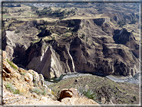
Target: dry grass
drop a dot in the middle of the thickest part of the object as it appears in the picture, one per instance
(99, 85)
(22, 89)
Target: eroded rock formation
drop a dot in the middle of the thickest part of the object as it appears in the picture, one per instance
(26, 87)
(94, 46)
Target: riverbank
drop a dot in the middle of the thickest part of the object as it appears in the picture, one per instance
(134, 79)
(101, 86)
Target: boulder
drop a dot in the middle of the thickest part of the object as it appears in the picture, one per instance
(28, 77)
(72, 92)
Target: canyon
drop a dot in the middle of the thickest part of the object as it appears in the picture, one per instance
(88, 49)
(70, 53)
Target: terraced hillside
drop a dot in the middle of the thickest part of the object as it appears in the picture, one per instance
(55, 39)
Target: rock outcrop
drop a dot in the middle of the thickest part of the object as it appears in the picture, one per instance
(94, 46)
(46, 64)
(26, 87)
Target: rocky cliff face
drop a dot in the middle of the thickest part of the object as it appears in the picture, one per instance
(93, 46)
(27, 87)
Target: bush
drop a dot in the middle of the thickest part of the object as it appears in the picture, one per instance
(122, 23)
(44, 92)
(90, 94)
(133, 21)
(83, 35)
(87, 92)
(12, 65)
(86, 39)
(18, 31)
(134, 97)
(16, 92)
(33, 8)
(11, 88)
(22, 73)
(37, 91)
(53, 38)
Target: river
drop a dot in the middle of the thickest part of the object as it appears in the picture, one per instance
(133, 79)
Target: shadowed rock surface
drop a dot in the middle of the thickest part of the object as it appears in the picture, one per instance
(95, 48)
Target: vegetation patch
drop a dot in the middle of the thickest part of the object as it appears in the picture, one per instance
(11, 88)
(17, 31)
(54, 13)
(83, 36)
(12, 65)
(22, 73)
(122, 23)
(39, 91)
(100, 87)
(85, 91)
(37, 40)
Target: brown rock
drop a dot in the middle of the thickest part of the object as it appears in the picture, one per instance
(34, 95)
(22, 70)
(79, 101)
(28, 77)
(65, 93)
(71, 97)
(74, 92)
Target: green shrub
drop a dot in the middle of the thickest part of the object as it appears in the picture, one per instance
(11, 88)
(22, 73)
(37, 90)
(44, 92)
(122, 23)
(12, 65)
(134, 97)
(86, 39)
(17, 31)
(85, 91)
(16, 91)
(133, 21)
(53, 38)
(90, 94)
(83, 35)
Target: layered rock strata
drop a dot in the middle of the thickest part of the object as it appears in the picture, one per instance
(94, 46)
